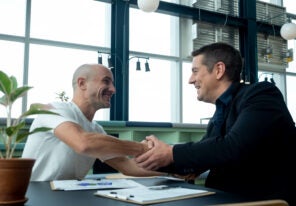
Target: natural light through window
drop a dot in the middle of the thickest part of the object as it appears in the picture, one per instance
(62, 37)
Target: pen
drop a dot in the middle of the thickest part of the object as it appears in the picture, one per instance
(94, 184)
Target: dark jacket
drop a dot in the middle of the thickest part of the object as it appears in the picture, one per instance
(255, 154)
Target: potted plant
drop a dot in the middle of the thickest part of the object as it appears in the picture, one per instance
(15, 172)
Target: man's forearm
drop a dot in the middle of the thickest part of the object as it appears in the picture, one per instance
(107, 147)
(97, 145)
(128, 167)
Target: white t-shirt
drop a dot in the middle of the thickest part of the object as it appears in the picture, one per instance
(54, 159)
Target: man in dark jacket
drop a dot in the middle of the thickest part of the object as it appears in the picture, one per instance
(249, 147)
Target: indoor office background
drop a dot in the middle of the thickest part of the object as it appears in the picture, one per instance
(43, 42)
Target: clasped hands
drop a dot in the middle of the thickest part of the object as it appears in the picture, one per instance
(159, 154)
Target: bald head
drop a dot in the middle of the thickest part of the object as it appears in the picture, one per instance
(93, 88)
(86, 71)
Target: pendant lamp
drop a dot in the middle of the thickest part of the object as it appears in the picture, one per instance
(148, 5)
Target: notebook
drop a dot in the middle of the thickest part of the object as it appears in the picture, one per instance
(153, 194)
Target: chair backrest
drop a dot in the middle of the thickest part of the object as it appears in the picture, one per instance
(276, 202)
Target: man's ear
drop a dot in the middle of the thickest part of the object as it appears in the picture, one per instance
(81, 83)
(220, 70)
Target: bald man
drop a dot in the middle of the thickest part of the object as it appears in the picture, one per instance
(69, 150)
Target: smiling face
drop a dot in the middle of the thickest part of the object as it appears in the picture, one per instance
(100, 88)
(93, 88)
(204, 81)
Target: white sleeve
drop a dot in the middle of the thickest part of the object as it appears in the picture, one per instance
(52, 121)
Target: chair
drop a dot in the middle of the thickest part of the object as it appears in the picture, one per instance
(276, 202)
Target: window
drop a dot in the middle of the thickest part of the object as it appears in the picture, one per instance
(77, 21)
(12, 12)
(194, 111)
(291, 66)
(148, 36)
(11, 54)
(65, 34)
(150, 92)
(150, 96)
(273, 77)
(57, 44)
(291, 98)
(291, 76)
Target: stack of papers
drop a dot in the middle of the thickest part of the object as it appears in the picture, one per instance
(89, 184)
(129, 190)
(154, 194)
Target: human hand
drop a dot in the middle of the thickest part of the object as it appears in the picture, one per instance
(149, 144)
(159, 155)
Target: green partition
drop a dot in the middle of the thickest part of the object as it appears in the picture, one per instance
(137, 131)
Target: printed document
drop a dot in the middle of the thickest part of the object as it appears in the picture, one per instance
(89, 184)
(154, 194)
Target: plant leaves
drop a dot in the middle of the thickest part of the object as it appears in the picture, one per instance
(4, 100)
(10, 131)
(23, 135)
(5, 83)
(8, 85)
(13, 134)
(19, 92)
(37, 111)
(13, 83)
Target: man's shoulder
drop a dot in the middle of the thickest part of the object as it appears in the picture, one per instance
(58, 105)
(258, 90)
(258, 87)
(64, 108)
(263, 84)
(61, 108)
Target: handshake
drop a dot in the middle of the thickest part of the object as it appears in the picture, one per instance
(158, 154)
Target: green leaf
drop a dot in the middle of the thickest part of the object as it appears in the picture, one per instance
(5, 83)
(10, 131)
(37, 111)
(4, 101)
(19, 92)
(16, 133)
(23, 135)
(13, 83)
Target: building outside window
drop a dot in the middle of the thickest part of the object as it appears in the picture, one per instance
(43, 50)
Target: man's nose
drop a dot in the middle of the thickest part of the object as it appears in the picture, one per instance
(191, 80)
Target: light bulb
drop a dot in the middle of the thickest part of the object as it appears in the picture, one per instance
(148, 5)
(288, 31)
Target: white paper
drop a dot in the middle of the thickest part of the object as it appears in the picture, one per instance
(88, 184)
(150, 194)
